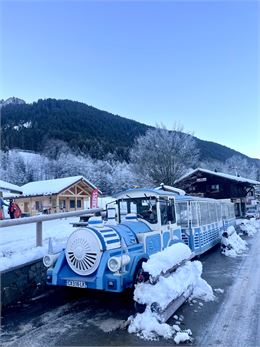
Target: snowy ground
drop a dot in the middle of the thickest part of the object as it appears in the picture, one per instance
(75, 318)
(17, 243)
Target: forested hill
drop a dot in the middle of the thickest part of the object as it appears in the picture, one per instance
(82, 127)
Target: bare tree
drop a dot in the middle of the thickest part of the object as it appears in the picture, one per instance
(163, 156)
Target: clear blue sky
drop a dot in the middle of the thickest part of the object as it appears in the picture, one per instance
(196, 63)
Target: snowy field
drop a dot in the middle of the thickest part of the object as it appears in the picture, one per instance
(17, 243)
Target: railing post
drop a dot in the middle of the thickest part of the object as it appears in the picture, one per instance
(38, 234)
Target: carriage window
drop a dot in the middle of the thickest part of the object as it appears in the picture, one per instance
(194, 213)
(204, 213)
(213, 216)
(182, 214)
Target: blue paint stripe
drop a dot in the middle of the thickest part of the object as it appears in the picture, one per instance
(111, 235)
(112, 241)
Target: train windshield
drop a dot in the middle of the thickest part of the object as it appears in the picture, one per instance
(143, 207)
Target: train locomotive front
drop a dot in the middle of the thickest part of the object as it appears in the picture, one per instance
(109, 255)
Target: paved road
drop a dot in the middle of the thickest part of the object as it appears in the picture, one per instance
(76, 318)
(237, 320)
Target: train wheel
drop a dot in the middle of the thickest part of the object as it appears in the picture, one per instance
(140, 276)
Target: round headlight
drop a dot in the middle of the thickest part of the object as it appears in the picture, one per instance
(114, 264)
(47, 261)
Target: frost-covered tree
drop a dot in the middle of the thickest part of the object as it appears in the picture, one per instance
(163, 156)
(235, 165)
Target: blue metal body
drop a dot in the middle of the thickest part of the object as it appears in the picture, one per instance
(139, 239)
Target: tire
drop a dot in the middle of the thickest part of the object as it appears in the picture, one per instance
(140, 276)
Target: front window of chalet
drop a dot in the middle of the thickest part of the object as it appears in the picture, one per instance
(38, 205)
(78, 203)
(62, 204)
(72, 203)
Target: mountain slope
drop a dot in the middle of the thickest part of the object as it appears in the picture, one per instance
(31, 126)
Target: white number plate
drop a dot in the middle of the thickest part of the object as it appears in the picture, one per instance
(78, 284)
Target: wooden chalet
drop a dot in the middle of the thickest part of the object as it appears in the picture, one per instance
(56, 195)
(217, 185)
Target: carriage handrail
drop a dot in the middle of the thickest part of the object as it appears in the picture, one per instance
(43, 218)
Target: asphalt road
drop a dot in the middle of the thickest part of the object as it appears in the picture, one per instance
(74, 317)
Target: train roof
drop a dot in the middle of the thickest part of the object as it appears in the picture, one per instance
(143, 193)
(184, 198)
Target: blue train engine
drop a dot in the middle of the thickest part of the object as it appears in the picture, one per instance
(108, 255)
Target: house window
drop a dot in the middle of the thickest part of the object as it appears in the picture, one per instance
(26, 207)
(72, 203)
(38, 205)
(215, 187)
(78, 203)
(62, 204)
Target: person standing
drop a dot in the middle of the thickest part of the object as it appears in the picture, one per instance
(2, 204)
(11, 209)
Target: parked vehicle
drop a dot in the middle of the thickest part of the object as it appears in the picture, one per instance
(108, 254)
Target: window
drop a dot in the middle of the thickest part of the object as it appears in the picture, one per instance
(62, 204)
(215, 187)
(78, 203)
(38, 205)
(194, 213)
(72, 203)
(144, 208)
(182, 214)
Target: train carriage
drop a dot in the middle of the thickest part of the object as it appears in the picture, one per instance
(108, 254)
(203, 221)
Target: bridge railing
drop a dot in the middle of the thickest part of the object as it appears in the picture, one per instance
(44, 218)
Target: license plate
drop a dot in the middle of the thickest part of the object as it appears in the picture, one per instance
(77, 284)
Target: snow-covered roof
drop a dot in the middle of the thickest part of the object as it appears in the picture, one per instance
(6, 186)
(54, 186)
(220, 174)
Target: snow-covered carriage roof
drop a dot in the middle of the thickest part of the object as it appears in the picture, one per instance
(54, 186)
(143, 193)
(220, 174)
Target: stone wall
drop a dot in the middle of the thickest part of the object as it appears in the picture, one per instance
(22, 282)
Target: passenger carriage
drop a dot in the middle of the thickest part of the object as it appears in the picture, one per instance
(108, 254)
(203, 221)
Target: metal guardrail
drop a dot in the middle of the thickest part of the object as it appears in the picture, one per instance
(43, 218)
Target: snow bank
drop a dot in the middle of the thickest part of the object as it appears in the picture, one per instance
(18, 243)
(231, 243)
(147, 325)
(248, 226)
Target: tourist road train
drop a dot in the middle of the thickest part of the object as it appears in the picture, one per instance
(107, 253)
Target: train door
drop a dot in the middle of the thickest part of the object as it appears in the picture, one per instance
(167, 216)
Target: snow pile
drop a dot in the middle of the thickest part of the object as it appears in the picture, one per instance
(160, 263)
(248, 226)
(231, 243)
(185, 278)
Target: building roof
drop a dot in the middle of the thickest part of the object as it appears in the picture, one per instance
(9, 187)
(220, 174)
(54, 186)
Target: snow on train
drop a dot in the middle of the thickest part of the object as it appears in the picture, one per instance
(108, 255)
